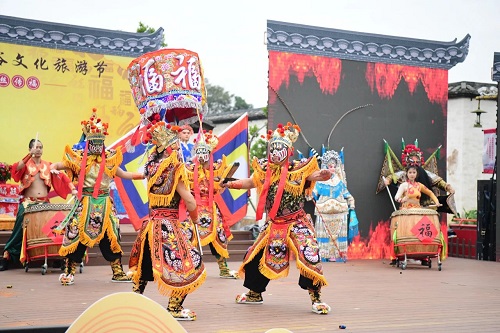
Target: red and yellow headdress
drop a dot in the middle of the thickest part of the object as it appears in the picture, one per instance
(162, 135)
(94, 128)
(412, 156)
(286, 134)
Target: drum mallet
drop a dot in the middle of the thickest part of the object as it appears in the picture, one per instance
(389, 193)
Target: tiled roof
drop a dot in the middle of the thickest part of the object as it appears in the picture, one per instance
(470, 89)
(76, 38)
(230, 116)
(351, 45)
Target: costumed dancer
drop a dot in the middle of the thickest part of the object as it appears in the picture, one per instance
(162, 251)
(203, 175)
(36, 180)
(93, 219)
(167, 86)
(282, 187)
(335, 206)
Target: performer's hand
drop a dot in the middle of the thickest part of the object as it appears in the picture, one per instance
(74, 192)
(54, 171)
(325, 174)
(450, 189)
(387, 181)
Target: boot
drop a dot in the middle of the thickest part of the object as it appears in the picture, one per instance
(177, 311)
(250, 297)
(118, 273)
(68, 277)
(139, 287)
(4, 261)
(224, 272)
(318, 306)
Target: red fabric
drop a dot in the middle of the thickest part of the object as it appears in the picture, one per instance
(17, 175)
(100, 174)
(263, 195)
(81, 176)
(60, 183)
(279, 192)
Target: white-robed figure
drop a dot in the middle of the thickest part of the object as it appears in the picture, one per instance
(335, 207)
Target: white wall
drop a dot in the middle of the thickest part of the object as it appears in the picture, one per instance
(465, 148)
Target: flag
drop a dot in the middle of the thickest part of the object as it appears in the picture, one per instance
(133, 193)
(489, 150)
(233, 143)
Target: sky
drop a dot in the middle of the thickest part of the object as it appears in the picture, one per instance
(228, 35)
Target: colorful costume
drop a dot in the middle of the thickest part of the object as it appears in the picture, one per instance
(203, 176)
(427, 174)
(93, 219)
(25, 176)
(334, 207)
(412, 192)
(288, 231)
(167, 86)
(162, 250)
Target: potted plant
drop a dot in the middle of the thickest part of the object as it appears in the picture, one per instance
(4, 172)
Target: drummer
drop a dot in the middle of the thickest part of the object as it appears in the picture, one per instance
(409, 192)
(35, 181)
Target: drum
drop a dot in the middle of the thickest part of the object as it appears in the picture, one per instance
(418, 232)
(38, 220)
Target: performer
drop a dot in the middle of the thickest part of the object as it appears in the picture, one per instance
(282, 186)
(202, 177)
(36, 180)
(93, 219)
(162, 251)
(393, 173)
(186, 146)
(410, 192)
(334, 204)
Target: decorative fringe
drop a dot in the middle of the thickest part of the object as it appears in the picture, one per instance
(163, 200)
(72, 160)
(318, 279)
(167, 290)
(297, 177)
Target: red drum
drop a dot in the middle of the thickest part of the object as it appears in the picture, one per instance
(38, 220)
(418, 233)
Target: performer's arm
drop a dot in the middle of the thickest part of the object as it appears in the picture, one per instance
(57, 166)
(319, 175)
(245, 183)
(129, 175)
(187, 197)
(431, 194)
(400, 195)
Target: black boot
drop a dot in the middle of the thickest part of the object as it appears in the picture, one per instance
(4, 264)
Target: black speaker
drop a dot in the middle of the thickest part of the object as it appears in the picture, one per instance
(486, 220)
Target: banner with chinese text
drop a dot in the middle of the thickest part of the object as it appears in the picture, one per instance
(48, 92)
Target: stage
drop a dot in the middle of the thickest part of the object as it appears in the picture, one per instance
(365, 296)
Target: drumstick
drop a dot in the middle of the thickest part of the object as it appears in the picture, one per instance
(389, 192)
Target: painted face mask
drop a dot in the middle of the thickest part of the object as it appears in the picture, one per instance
(96, 146)
(202, 153)
(278, 152)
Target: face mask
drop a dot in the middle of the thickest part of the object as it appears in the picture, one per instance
(278, 152)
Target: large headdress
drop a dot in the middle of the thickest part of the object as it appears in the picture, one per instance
(170, 83)
(95, 131)
(287, 134)
(94, 128)
(162, 135)
(412, 156)
(330, 157)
